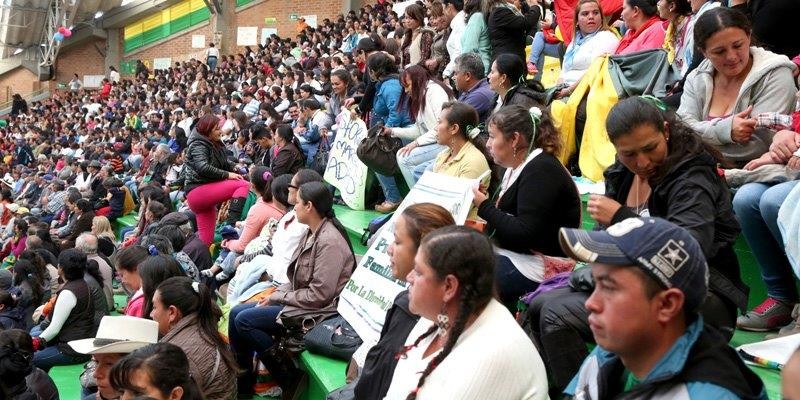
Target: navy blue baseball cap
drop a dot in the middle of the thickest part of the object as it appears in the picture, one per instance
(666, 252)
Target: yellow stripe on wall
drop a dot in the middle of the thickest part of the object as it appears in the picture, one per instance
(165, 16)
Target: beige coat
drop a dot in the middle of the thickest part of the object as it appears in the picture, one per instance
(320, 267)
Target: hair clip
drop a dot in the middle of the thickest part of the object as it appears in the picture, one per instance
(655, 102)
(196, 287)
(474, 131)
(266, 176)
(152, 250)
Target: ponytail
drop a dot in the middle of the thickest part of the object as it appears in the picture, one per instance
(93, 268)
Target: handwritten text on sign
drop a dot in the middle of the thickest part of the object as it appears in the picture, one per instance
(345, 171)
(371, 290)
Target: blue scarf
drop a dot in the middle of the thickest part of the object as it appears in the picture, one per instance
(576, 44)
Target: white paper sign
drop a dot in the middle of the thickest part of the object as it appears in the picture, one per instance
(266, 33)
(345, 171)
(93, 81)
(311, 20)
(198, 41)
(371, 290)
(247, 36)
(162, 63)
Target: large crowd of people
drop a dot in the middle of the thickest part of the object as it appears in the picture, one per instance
(234, 250)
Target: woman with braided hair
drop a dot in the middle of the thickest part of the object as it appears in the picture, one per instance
(475, 342)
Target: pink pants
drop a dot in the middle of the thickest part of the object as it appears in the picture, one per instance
(203, 201)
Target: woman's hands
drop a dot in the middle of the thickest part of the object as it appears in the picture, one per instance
(602, 208)
(235, 176)
(743, 126)
(783, 146)
(406, 150)
(478, 195)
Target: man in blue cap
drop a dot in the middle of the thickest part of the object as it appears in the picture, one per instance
(650, 280)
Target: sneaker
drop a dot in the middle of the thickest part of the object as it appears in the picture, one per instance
(790, 329)
(386, 207)
(769, 315)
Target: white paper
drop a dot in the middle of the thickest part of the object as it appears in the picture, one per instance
(198, 41)
(162, 63)
(247, 36)
(778, 350)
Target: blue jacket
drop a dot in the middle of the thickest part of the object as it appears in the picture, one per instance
(699, 365)
(384, 107)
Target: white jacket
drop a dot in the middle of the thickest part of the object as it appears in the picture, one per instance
(424, 129)
(604, 42)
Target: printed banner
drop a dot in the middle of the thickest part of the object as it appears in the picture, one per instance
(371, 290)
(345, 171)
(162, 63)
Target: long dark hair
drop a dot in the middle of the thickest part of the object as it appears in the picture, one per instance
(153, 271)
(466, 254)
(466, 118)
(417, 12)
(73, 264)
(318, 194)
(261, 178)
(25, 271)
(16, 355)
(164, 363)
(513, 68)
(684, 142)
(717, 19)
(190, 297)
(648, 7)
(130, 257)
(419, 77)
(514, 118)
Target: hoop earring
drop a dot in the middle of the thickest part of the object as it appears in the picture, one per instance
(442, 322)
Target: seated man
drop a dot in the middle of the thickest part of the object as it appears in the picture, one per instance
(651, 279)
(116, 337)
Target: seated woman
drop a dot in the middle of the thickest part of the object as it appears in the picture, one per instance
(187, 317)
(593, 38)
(475, 38)
(537, 197)
(83, 223)
(158, 371)
(152, 271)
(464, 156)
(73, 316)
(413, 224)
(127, 265)
(677, 43)
(289, 158)
(389, 111)
(663, 170)
(16, 244)
(207, 167)
(424, 98)
(506, 78)
(21, 380)
(734, 84)
(645, 31)
(28, 283)
(475, 342)
(317, 273)
(266, 208)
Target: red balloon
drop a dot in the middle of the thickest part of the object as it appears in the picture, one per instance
(62, 30)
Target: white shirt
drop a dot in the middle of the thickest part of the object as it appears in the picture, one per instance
(492, 359)
(114, 76)
(212, 52)
(457, 26)
(284, 242)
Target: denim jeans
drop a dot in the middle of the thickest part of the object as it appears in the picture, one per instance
(310, 150)
(540, 47)
(389, 186)
(251, 329)
(49, 357)
(419, 156)
(227, 260)
(510, 283)
(756, 206)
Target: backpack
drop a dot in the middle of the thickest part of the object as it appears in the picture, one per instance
(374, 225)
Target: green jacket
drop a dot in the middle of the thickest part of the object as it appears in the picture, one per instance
(475, 39)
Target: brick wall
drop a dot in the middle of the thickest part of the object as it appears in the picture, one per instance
(83, 59)
(19, 80)
(180, 47)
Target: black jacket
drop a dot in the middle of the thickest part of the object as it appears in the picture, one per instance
(289, 160)
(508, 31)
(375, 378)
(206, 162)
(691, 195)
(539, 203)
(769, 19)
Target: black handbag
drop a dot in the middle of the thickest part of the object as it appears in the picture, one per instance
(320, 161)
(333, 338)
(379, 152)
